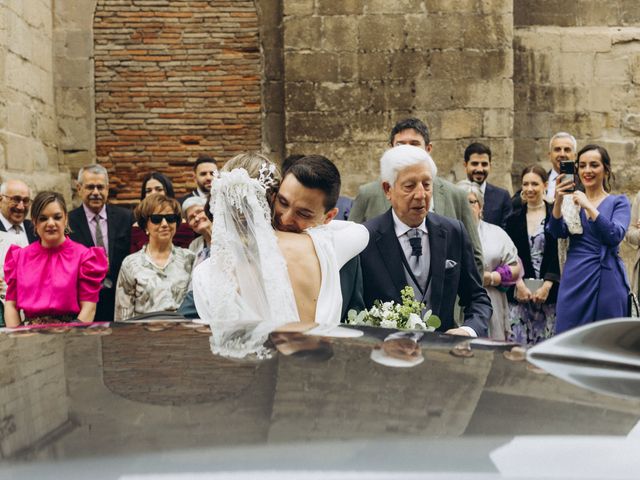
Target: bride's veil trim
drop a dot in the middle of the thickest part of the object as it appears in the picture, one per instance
(243, 291)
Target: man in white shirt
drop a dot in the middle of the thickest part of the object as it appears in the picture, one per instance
(15, 200)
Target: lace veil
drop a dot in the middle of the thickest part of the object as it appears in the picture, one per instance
(243, 290)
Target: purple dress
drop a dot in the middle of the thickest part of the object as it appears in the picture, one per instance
(594, 283)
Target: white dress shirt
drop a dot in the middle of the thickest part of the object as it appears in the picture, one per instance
(10, 228)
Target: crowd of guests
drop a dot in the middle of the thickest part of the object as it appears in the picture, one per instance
(518, 268)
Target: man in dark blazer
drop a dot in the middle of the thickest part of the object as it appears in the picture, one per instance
(15, 199)
(409, 245)
(497, 201)
(95, 223)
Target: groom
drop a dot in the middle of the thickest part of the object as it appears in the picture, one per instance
(307, 198)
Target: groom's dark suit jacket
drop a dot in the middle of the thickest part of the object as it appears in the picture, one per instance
(119, 221)
(384, 276)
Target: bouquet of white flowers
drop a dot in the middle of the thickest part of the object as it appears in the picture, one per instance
(392, 315)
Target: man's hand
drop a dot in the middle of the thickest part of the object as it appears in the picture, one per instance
(458, 331)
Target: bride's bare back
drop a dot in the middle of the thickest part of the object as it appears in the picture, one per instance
(304, 272)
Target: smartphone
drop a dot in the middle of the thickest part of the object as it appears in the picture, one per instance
(569, 170)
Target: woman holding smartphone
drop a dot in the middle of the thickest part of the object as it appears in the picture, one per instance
(532, 309)
(594, 283)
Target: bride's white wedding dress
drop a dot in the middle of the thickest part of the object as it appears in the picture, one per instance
(243, 290)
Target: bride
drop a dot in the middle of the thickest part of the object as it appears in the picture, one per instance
(258, 279)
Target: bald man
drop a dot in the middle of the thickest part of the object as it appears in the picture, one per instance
(15, 200)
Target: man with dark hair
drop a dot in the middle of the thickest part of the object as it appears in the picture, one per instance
(497, 201)
(307, 198)
(343, 204)
(205, 169)
(447, 200)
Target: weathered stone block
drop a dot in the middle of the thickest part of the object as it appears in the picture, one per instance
(437, 94)
(302, 33)
(425, 32)
(397, 6)
(73, 72)
(381, 32)
(600, 98)
(317, 127)
(372, 66)
(586, 42)
(373, 96)
(574, 68)
(272, 96)
(488, 31)
(497, 123)
(635, 69)
(472, 64)
(400, 95)
(632, 122)
(317, 67)
(497, 6)
(612, 69)
(534, 124)
(449, 6)
(461, 124)
(339, 33)
(39, 16)
(343, 7)
(348, 66)
(408, 65)
(338, 97)
(495, 94)
(75, 43)
(297, 7)
(629, 12)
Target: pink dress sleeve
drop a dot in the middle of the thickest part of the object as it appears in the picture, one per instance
(11, 273)
(93, 268)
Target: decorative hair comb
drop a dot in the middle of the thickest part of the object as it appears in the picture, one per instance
(266, 175)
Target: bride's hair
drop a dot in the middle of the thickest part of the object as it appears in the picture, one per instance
(258, 166)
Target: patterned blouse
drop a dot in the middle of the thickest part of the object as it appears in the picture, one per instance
(145, 287)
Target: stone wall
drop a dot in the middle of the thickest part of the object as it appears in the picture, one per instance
(28, 119)
(577, 69)
(352, 69)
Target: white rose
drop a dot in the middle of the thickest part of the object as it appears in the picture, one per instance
(388, 323)
(415, 322)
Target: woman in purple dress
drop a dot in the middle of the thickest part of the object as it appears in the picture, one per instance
(594, 284)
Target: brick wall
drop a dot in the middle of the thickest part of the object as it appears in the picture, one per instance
(352, 69)
(174, 78)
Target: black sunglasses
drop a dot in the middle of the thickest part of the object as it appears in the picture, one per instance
(156, 218)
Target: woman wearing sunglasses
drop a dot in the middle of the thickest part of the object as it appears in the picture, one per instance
(156, 278)
(157, 183)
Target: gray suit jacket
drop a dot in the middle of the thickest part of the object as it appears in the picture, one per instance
(449, 201)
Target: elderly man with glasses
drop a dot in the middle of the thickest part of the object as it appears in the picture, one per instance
(96, 224)
(15, 199)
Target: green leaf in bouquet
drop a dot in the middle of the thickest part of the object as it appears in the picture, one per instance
(434, 321)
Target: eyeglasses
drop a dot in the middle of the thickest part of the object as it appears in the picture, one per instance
(156, 218)
(16, 199)
(91, 187)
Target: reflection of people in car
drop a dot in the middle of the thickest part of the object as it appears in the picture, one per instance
(301, 345)
(402, 348)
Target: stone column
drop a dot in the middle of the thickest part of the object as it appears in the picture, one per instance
(28, 125)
